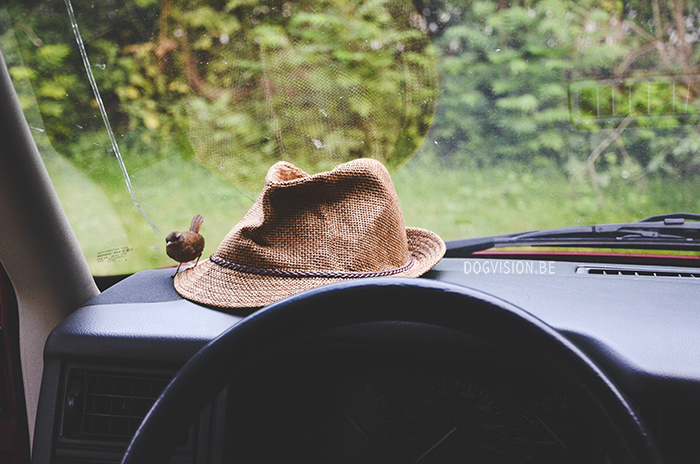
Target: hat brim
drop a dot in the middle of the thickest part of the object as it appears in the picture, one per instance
(214, 285)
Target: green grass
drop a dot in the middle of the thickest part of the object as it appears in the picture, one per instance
(453, 202)
(470, 202)
(171, 192)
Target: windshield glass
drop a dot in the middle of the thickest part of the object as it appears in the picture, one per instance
(493, 116)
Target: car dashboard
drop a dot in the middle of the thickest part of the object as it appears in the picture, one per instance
(391, 391)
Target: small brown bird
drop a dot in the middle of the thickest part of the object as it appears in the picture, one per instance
(186, 246)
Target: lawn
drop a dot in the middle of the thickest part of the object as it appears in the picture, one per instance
(455, 202)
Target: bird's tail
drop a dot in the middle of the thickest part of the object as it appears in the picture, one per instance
(196, 224)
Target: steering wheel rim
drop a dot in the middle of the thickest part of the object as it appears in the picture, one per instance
(382, 299)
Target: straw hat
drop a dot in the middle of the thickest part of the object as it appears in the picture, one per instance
(305, 231)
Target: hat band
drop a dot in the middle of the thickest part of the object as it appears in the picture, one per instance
(290, 273)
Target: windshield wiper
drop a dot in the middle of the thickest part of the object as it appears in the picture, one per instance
(676, 231)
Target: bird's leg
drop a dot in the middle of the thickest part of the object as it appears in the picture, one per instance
(176, 271)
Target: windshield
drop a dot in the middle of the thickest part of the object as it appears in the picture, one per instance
(493, 117)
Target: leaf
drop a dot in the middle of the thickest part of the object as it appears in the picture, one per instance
(22, 72)
(523, 103)
(53, 54)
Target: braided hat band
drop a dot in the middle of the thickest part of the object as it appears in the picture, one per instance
(293, 273)
(305, 231)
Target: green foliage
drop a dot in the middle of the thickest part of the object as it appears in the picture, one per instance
(594, 103)
(510, 72)
(241, 83)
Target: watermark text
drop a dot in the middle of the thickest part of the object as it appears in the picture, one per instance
(504, 266)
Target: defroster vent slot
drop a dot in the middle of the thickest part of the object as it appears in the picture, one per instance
(646, 272)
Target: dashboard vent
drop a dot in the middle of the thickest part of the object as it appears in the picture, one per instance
(108, 406)
(115, 405)
(637, 272)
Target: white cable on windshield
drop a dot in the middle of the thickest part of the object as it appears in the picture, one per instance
(103, 112)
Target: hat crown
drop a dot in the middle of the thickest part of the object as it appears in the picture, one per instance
(305, 231)
(347, 219)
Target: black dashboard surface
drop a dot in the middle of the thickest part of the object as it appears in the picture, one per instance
(643, 328)
(638, 322)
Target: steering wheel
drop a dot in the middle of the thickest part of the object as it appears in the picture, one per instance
(387, 299)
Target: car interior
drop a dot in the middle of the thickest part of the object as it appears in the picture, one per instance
(516, 347)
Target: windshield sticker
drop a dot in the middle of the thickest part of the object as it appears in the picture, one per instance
(114, 254)
(650, 101)
(103, 112)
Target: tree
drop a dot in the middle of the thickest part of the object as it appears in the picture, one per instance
(248, 82)
(540, 80)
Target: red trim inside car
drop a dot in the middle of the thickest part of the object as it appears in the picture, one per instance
(588, 256)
